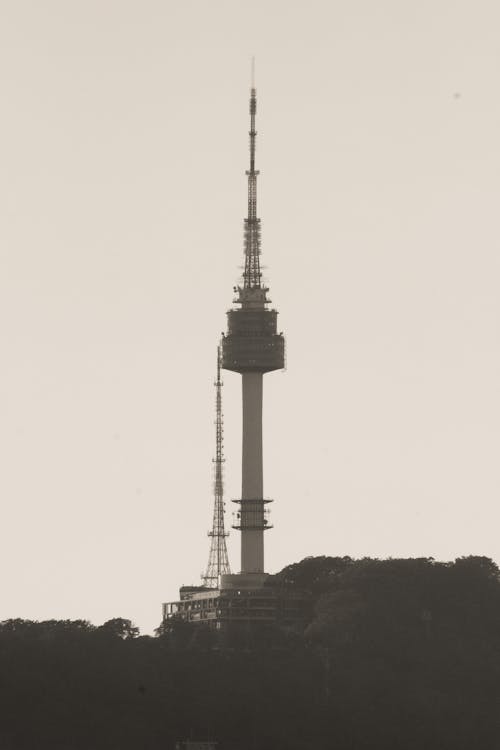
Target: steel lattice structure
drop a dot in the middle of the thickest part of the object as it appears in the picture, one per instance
(218, 562)
(252, 274)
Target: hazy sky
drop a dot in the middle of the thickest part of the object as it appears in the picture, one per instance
(122, 192)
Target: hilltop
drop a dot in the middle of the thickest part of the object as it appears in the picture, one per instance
(397, 654)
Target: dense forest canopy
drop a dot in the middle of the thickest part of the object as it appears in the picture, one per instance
(398, 654)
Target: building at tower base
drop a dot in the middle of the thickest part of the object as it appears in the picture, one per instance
(219, 609)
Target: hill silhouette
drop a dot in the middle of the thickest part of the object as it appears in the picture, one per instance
(398, 654)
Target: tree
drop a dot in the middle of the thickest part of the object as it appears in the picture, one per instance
(120, 628)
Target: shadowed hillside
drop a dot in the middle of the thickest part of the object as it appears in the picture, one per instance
(397, 655)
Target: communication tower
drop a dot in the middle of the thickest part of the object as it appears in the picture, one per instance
(252, 347)
(218, 562)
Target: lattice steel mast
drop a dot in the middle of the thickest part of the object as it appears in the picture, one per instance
(218, 562)
(252, 274)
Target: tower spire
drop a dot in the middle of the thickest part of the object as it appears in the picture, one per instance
(252, 274)
(218, 562)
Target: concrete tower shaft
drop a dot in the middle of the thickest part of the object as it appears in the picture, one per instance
(252, 347)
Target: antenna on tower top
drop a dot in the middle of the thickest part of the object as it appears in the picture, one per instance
(252, 274)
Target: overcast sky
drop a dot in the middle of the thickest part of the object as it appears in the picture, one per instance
(122, 192)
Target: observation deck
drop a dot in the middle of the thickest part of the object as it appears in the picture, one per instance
(252, 343)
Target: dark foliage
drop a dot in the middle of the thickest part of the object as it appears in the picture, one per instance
(398, 655)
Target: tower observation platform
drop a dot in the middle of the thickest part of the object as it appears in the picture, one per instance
(252, 343)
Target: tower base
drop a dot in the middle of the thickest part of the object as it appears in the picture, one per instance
(242, 599)
(245, 581)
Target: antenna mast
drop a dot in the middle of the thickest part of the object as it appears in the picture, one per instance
(218, 562)
(252, 274)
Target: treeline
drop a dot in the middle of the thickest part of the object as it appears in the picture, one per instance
(396, 655)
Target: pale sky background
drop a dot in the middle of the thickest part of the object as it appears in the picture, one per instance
(122, 193)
